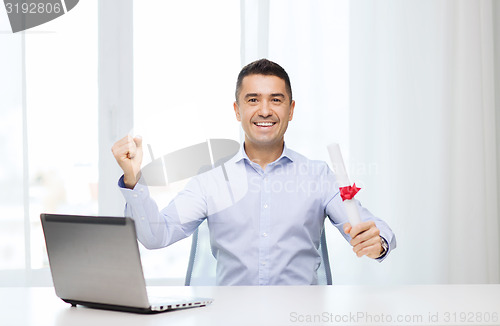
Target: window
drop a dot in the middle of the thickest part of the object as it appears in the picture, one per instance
(185, 67)
(49, 130)
(12, 253)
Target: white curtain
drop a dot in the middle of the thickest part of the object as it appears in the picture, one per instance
(309, 39)
(422, 105)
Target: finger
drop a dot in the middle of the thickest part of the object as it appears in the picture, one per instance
(372, 251)
(124, 140)
(369, 248)
(132, 150)
(361, 227)
(119, 145)
(125, 152)
(126, 149)
(120, 151)
(373, 232)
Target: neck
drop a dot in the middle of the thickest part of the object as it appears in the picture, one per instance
(263, 155)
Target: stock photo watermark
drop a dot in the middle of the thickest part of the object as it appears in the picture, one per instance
(366, 318)
(26, 14)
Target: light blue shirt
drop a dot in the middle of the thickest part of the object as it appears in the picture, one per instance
(265, 225)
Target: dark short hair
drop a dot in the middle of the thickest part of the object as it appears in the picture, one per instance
(263, 67)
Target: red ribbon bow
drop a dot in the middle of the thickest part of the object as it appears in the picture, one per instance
(349, 192)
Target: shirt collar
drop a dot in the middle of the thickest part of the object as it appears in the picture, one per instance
(242, 155)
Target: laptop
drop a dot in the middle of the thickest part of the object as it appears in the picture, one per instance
(95, 262)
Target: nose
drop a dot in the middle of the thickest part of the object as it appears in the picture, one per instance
(265, 110)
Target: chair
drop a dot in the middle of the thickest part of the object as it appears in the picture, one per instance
(202, 264)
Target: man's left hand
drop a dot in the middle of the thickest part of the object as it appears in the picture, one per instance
(366, 239)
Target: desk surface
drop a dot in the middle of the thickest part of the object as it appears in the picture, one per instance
(280, 305)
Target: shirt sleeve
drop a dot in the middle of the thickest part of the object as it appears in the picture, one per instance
(338, 216)
(160, 228)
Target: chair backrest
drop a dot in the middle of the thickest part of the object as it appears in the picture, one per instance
(324, 271)
(202, 264)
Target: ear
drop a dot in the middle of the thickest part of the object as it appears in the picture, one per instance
(292, 107)
(237, 111)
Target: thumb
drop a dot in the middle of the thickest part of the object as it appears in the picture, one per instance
(138, 141)
(347, 228)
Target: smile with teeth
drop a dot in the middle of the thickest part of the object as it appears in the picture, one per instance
(265, 124)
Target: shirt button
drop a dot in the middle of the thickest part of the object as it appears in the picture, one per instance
(143, 218)
(264, 234)
(135, 195)
(265, 205)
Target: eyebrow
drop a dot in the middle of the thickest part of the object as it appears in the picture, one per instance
(257, 95)
(251, 95)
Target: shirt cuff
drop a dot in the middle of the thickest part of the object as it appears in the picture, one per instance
(140, 191)
(121, 183)
(381, 258)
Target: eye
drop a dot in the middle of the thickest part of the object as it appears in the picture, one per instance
(252, 100)
(276, 100)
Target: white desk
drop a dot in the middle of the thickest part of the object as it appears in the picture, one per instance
(309, 305)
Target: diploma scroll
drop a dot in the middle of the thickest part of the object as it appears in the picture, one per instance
(347, 191)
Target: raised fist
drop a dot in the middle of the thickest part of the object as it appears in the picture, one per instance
(128, 153)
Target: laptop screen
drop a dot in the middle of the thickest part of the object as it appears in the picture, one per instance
(95, 259)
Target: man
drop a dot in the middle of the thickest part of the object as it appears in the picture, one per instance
(266, 208)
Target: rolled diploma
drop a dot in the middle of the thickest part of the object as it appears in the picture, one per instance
(339, 168)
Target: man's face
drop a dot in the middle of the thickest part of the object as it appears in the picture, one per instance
(264, 109)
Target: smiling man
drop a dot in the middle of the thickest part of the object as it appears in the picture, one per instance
(264, 107)
(266, 209)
